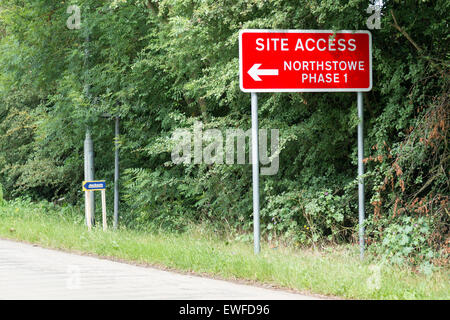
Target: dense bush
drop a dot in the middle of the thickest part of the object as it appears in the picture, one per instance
(411, 196)
(309, 217)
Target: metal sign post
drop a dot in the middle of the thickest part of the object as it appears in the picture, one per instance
(116, 166)
(89, 175)
(360, 174)
(116, 175)
(255, 174)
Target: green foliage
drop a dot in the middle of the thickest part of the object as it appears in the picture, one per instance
(154, 201)
(411, 189)
(163, 65)
(25, 208)
(308, 217)
(2, 201)
(406, 242)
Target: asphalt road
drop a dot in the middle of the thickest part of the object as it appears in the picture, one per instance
(30, 272)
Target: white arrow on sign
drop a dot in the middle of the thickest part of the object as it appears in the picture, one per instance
(255, 72)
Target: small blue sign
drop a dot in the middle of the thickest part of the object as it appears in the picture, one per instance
(94, 185)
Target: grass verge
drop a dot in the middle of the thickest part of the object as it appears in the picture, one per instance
(336, 271)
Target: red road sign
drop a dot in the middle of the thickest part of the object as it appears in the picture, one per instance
(305, 60)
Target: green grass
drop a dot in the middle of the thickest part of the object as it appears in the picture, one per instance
(336, 271)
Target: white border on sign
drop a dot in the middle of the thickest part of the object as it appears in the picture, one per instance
(303, 31)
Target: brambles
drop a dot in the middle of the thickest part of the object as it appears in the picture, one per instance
(411, 202)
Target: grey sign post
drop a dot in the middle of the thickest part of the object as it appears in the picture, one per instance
(89, 170)
(116, 175)
(361, 173)
(89, 176)
(255, 174)
(116, 166)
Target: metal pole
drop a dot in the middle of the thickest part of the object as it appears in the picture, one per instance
(88, 144)
(89, 174)
(361, 173)
(255, 173)
(116, 176)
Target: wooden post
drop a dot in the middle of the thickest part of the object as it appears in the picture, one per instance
(88, 209)
(104, 209)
